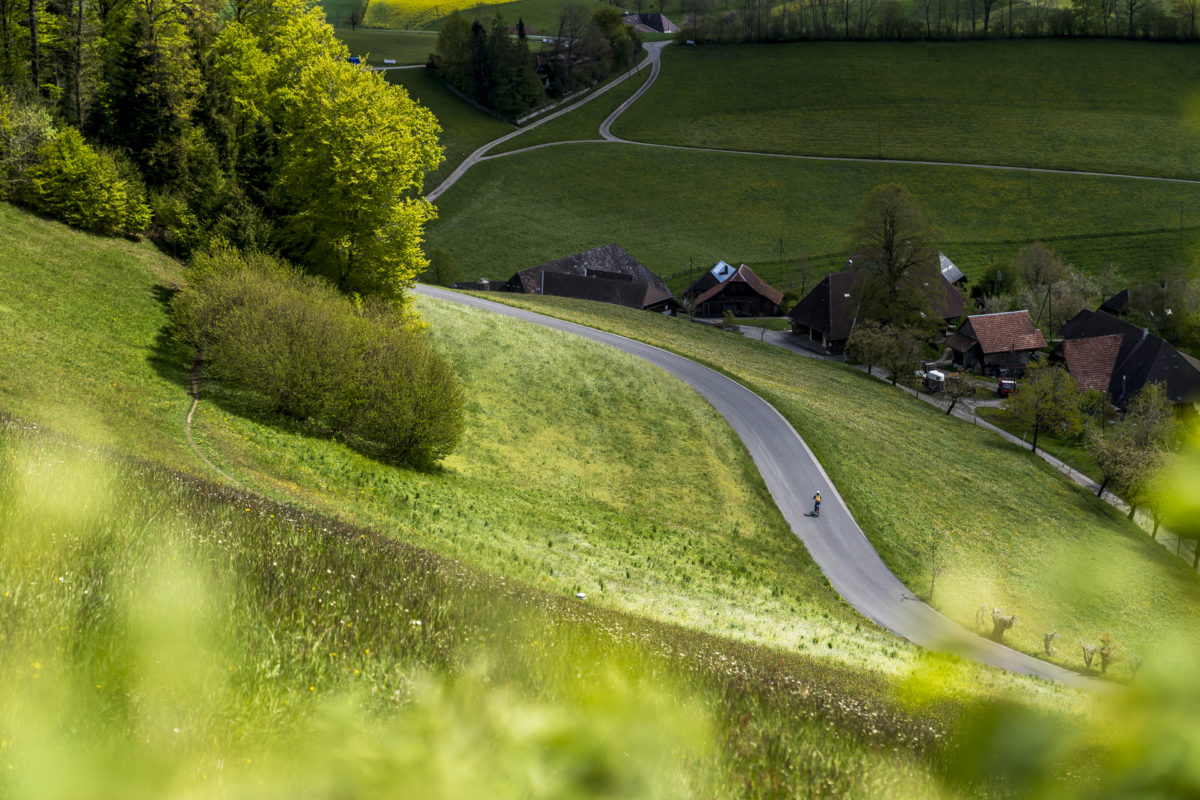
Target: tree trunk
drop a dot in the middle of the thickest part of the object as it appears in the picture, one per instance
(1036, 431)
(34, 55)
(1195, 553)
(77, 65)
(1104, 483)
(1132, 510)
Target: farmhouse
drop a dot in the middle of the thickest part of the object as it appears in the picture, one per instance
(741, 292)
(605, 274)
(1106, 353)
(989, 343)
(719, 273)
(827, 315)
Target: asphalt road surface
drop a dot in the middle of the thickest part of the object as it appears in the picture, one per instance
(792, 474)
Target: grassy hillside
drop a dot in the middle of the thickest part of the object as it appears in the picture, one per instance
(558, 487)
(1017, 535)
(1094, 105)
(169, 637)
(666, 206)
(196, 636)
(464, 128)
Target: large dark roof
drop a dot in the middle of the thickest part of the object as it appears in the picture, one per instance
(1141, 358)
(609, 260)
(743, 274)
(1117, 304)
(832, 305)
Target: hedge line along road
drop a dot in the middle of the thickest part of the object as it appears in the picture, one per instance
(792, 474)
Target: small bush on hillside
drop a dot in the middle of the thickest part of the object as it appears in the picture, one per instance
(24, 129)
(83, 188)
(356, 368)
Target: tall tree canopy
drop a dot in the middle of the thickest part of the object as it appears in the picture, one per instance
(893, 241)
(242, 118)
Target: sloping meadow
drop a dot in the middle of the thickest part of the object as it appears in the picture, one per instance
(165, 636)
(1016, 535)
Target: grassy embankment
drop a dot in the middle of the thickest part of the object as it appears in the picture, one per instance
(203, 637)
(579, 125)
(1016, 534)
(1070, 451)
(668, 206)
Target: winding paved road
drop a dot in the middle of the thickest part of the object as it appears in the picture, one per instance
(792, 474)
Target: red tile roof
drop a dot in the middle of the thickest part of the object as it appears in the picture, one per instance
(1005, 332)
(1091, 360)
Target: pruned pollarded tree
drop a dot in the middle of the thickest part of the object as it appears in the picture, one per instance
(893, 242)
(1001, 622)
(1046, 401)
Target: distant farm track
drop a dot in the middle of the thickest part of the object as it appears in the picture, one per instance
(654, 61)
(792, 473)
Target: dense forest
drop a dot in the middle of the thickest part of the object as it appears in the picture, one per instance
(201, 121)
(500, 72)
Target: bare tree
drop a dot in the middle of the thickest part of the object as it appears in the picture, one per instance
(1047, 638)
(954, 389)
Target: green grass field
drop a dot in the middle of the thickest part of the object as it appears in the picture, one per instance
(406, 47)
(1096, 105)
(1070, 450)
(1018, 535)
(559, 489)
(667, 206)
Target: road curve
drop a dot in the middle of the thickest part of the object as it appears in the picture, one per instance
(653, 51)
(792, 474)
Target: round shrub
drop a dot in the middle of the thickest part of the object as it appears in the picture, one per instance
(83, 188)
(354, 368)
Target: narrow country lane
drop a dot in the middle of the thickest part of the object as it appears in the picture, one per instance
(792, 474)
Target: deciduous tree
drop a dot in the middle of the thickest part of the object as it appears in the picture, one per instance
(1046, 401)
(892, 241)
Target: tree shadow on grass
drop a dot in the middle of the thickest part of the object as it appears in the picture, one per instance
(172, 361)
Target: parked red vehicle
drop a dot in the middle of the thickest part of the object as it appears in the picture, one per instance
(1005, 386)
